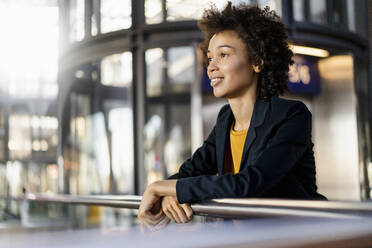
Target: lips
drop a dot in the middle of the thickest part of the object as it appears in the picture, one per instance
(216, 80)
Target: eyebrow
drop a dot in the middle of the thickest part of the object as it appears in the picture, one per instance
(223, 46)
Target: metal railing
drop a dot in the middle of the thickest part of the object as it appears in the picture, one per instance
(338, 223)
(228, 208)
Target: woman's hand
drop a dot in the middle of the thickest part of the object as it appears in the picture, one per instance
(180, 213)
(150, 212)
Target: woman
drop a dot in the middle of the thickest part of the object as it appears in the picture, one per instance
(261, 144)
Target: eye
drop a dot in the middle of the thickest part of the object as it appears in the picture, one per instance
(209, 60)
(223, 55)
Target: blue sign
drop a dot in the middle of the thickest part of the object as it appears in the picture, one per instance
(304, 75)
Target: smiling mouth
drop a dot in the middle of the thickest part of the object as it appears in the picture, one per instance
(215, 81)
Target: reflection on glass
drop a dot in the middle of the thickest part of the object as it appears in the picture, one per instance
(120, 131)
(116, 70)
(80, 162)
(181, 62)
(299, 10)
(115, 15)
(19, 136)
(178, 144)
(318, 11)
(273, 4)
(76, 20)
(15, 178)
(154, 138)
(153, 11)
(189, 9)
(174, 76)
(154, 71)
(99, 153)
(167, 139)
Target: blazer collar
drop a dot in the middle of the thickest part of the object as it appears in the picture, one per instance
(223, 126)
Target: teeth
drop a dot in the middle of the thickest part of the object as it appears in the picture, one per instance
(215, 79)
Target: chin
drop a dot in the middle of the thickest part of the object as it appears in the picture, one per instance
(219, 94)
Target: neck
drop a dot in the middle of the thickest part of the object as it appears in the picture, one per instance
(242, 108)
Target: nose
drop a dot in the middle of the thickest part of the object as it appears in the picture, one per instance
(212, 66)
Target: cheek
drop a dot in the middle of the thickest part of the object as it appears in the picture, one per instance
(237, 69)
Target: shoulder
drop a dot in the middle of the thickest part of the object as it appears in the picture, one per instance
(288, 108)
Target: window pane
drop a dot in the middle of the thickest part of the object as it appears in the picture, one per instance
(120, 131)
(179, 72)
(299, 10)
(167, 139)
(361, 25)
(153, 11)
(318, 11)
(181, 69)
(339, 14)
(115, 15)
(19, 136)
(116, 70)
(95, 17)
(189, 9)
(154, 71)
(76, 20)
(351, 15)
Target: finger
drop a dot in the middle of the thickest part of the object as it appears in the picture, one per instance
(169, 214)
(174, 214)
(188, 211)
(181, 214)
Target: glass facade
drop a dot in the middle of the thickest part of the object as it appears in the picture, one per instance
(170, 73)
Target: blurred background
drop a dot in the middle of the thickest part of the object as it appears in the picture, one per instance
(104, 97)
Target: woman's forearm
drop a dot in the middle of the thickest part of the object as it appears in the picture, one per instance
(164, 188)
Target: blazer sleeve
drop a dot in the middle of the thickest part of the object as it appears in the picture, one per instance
(282, 152)
(203, 161)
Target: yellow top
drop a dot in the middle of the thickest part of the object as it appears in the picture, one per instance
(237, 140)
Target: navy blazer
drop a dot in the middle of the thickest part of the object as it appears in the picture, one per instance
(277, 161)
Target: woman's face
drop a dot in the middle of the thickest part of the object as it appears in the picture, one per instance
(229, 68)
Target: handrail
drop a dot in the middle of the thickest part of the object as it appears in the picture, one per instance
(227, 208)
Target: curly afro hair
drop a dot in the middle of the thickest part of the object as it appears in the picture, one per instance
(265, 38)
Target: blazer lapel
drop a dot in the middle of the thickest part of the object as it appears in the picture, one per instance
(258, 117)
(222, 128)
